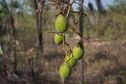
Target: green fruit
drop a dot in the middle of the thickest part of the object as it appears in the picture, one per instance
(64, 71)
(71, 61)
(61, 23)
(78, 51)
(58, 38)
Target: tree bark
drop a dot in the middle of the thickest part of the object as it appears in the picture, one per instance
(39, 11)
(81, 21)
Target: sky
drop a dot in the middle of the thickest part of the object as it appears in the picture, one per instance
(104, 2)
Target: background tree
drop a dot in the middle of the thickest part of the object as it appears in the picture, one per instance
(118, 6)
(9, 10)
(38, 6)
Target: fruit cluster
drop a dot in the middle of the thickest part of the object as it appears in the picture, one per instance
(72, 56)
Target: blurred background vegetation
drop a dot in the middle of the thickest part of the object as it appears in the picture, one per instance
(105, 51)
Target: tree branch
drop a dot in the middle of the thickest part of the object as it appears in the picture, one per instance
(81, 21)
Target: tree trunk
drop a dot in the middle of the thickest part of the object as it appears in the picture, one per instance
(14, 43)
(11, 20)
(39, 11)
(81, 20)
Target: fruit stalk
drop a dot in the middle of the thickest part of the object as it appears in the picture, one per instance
(63, 81)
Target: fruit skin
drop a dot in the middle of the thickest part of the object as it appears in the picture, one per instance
(58, 38)
(64, 71)
(78, 51)
(61, 23)
(72, 61)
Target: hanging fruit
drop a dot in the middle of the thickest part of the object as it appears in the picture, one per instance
(78, 51)
(61, 23)
(64, 71)
(58, 38)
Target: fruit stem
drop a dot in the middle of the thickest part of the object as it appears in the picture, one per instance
(59, 7)
(69, 8)
(65, 43)
(68, 46)
(63, 81)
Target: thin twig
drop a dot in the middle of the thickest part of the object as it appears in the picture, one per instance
(78, 12)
